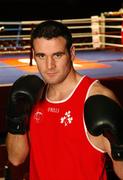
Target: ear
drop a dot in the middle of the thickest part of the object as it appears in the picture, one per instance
(72, 52)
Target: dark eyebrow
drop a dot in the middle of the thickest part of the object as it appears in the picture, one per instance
(43, 54)
(59, 52)
(38, 54)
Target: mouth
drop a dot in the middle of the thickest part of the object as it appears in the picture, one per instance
(51, 73)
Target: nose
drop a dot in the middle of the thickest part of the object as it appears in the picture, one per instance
(50, 63)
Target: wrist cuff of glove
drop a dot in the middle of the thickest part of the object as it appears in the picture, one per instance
(17, 125)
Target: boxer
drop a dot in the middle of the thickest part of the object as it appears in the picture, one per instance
(58, 142)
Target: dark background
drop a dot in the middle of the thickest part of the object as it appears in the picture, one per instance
(19, 10)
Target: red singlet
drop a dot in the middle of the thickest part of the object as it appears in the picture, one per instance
(60, 149)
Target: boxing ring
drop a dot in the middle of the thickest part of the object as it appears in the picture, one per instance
(99, 53)
(98, 41)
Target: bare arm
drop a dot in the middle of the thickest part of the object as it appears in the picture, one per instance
(25, 92)
(103, 142)
(118, 168)
(117, 165)
(17, 147)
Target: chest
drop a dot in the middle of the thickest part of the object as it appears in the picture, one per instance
(59, 120)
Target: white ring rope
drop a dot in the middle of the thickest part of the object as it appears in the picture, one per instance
(87, 33)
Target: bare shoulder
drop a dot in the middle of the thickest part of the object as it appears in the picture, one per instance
(98, 88)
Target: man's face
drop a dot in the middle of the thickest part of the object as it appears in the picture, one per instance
(52, 58)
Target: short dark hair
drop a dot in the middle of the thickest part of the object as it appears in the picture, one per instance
(50, 29)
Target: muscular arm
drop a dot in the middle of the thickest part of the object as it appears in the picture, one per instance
(17, 147)
(25, 92)
(118, 168)
(117, 165)
(101, 141)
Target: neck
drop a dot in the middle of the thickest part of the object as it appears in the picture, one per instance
(57, 92)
